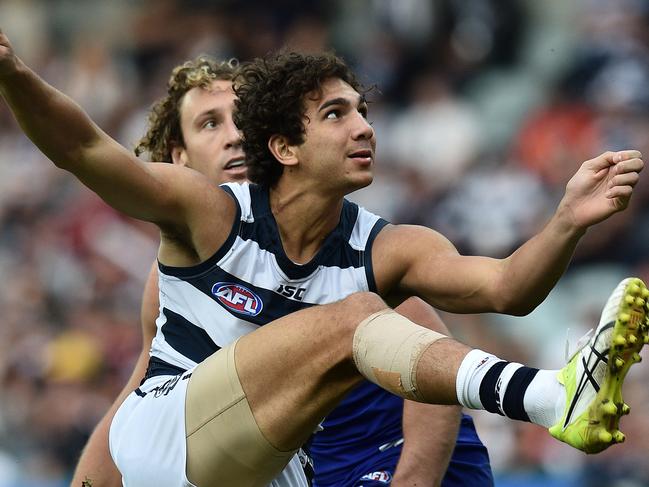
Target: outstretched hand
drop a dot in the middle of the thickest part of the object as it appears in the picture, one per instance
(602, 186)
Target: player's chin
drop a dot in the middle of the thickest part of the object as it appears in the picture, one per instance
(361, 180)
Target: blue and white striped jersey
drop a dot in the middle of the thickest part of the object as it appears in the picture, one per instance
(250, 282)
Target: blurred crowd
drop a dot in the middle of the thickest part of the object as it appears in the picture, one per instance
(483, 111)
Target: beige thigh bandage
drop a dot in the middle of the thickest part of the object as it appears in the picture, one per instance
(224, 444)
(387, 348)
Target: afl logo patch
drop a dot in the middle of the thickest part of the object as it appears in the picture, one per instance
(381, 476)
(238, 298)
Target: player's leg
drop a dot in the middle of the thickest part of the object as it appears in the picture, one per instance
(294, 371)
(278, 383)
(455, 457)
(582, 403)
(430, 431)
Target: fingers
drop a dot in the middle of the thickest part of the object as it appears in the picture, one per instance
(626, 179)
(623, 193)
(627, 174)
(611, 158)
(629, 165)
(625, 155)
(622, 185)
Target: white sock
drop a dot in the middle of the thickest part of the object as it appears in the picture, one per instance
(545, 398)
(472, 370)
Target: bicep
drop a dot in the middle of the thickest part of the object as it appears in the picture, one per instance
(421, 262)
(147, 191)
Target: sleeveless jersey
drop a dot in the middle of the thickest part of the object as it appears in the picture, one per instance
(249, 282)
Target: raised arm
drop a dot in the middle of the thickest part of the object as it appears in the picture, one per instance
(166, 194)
(95, 464)
(422, 262)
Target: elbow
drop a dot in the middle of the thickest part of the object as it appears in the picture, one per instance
(521, 310)
(66, 158)
(513, 297)
(72, 157)
(516, 306)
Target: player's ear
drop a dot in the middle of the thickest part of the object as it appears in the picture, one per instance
(282, 150)
(179, 155)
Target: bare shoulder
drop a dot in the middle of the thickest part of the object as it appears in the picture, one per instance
(204, 214)
(191, 188)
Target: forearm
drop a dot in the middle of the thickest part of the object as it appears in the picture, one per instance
(53, 121)
(439, 274)
(95, 464)
(430, 434)
(67, 136)
(600, 188)
(530, 273)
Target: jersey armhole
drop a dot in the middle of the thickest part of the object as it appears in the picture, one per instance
(367, 254)
(218, 255)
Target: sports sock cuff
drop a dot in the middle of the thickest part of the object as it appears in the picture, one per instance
(469, 375)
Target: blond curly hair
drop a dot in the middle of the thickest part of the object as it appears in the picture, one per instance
(164, 132)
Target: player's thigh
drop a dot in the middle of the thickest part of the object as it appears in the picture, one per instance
(224, 443)
(147, 434)
(296, 369)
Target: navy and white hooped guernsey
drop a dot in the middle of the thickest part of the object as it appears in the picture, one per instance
(250, 282)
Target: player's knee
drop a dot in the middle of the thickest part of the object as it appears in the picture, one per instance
(358, 306)
(386, 350)
(422, 313)
(365, 302)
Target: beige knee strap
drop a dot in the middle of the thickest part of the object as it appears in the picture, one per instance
(387, 348)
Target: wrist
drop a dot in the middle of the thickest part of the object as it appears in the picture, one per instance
(11, 72)
(566, 224)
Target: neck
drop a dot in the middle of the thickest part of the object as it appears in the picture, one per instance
(304, 219)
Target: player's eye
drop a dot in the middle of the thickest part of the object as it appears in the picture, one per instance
(209, 124)
(332, 114)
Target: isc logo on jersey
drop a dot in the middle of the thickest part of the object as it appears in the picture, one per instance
(238, 298)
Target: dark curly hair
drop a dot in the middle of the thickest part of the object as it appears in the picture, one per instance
(164, 132)
(271, 95)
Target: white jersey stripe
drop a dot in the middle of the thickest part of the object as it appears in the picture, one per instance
(249, 263)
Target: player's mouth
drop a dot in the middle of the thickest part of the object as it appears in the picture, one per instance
(362, 156)
(236, 165)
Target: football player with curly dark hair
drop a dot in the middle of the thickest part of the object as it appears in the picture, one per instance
(241, 267)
